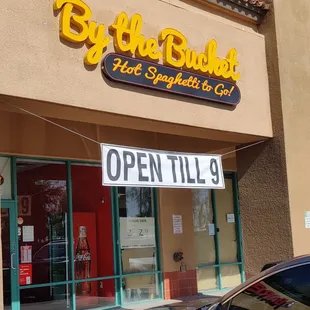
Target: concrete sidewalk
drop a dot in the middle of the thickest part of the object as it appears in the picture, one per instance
(182, 302)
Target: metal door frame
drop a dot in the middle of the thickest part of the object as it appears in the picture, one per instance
(10, 205)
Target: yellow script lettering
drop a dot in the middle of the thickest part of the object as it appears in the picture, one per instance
(174, 46)
(128, 38)
(152, 70)
(124, 68)
(86, 31)
(76, 27)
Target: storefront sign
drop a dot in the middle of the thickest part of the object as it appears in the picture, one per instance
(171, 47)
(25, 274)
(137, 232)
(126, 166)
(147, 74)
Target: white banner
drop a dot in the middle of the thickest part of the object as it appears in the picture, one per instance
(137, 232)
(127, 166)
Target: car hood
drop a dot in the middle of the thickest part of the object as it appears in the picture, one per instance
(191, 304)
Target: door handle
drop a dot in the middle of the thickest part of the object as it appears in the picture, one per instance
(12, 265)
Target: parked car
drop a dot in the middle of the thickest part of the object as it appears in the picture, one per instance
(280, 286)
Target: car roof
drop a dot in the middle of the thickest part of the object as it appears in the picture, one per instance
(300, 260)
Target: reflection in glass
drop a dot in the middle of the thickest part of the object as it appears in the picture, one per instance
(92, 225)
(204, 228)
(137, 229)
(5, 178)
(47, 298)
(42, 188)
(101, 295)
(135, 202)
(138, 288)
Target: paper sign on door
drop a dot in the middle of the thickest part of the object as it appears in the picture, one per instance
(25, 274)
(26, 254)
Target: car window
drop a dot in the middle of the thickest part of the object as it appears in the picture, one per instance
(287, 289)
(42, 253)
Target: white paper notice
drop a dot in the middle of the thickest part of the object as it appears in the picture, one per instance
(28, 233)
(307, 219)
(211, 229)
(230, 218)
(26, 254)
(177, 224)
(137, 232)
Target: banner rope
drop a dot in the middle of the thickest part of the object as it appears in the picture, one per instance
(51, 122)
(244, 147)
(97, 142)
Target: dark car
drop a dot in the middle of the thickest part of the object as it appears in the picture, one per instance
(280, 286)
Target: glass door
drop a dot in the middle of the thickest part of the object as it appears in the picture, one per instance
(217, 232)
(9, 259)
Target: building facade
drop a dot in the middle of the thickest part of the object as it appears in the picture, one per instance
(72, 77)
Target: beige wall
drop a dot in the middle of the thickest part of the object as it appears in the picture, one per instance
(30, 136)
(293, 47)
(38, 65)
(178, 202)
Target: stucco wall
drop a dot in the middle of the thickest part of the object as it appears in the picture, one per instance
(37, 64)
(293, 47)
(263, 186)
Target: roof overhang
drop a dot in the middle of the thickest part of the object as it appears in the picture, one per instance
(252, 10)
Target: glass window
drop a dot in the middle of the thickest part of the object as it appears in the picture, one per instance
(142, 287)
(92, 224)
(206, 279)
(204, 228)
(43, 239)
(5, 178)
(294, 283)
(101, 294)
(50, 297)
(137, 229)
(228, 246)
(231, 276)
(286, 289)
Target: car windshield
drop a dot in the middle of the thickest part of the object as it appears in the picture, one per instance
(293, 283)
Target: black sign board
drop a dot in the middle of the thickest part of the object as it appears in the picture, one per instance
(151, 75)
